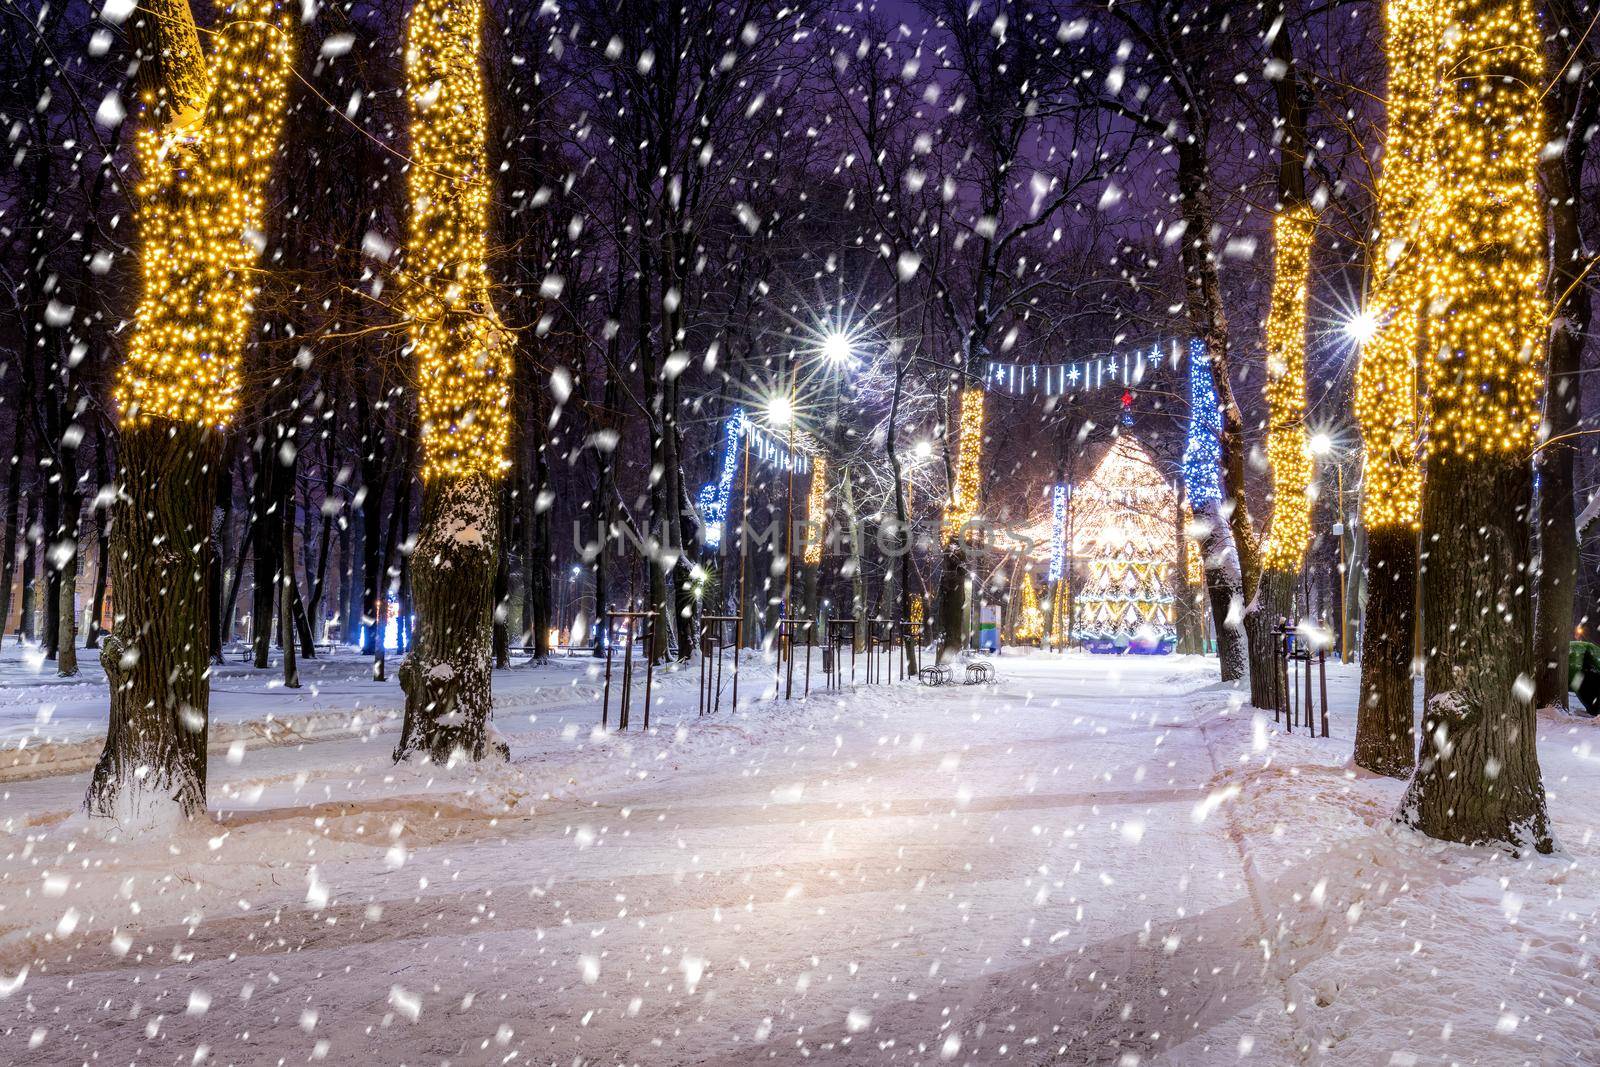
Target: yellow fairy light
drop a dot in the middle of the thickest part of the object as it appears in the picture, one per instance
(1030, 623)
(1386, 382)
(463, 351)
(203, 173)
(1059, 622)
(1194, 571)
(1488, 319)
(1288, 451)
(816, 510)
(964, 494)
(917, 611)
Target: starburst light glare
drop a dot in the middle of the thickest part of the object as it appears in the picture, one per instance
(837, 347)
(1361, 327)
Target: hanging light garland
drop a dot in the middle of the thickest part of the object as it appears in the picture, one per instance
(713, 497)
(1386, 394)
(200, 199)
(463, 351)
(1288, 446)
(1062, 379)
(964, 494)
(1202, 452)
(1485, 238)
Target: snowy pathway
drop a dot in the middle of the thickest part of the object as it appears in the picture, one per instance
(1092, 861)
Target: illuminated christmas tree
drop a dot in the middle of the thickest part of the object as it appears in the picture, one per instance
(1030, 619)
(1123, 533)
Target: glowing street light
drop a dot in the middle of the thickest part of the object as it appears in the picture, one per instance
(1321, 444)
(1361, 327)
(837, 347)
(780, 410)
(923, 449)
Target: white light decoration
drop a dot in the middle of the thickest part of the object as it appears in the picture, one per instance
(780, 410)
(1060, 495)
(837, 347)
(712, 499)
(1118, 370)
(1361, 327)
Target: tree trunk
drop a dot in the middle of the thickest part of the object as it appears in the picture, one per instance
(953, 603)
(102, 553)
(1203, 300)
(156, 657)
(349, 580)
(222, 520)
(1386, 735)
(1191, 640)
(286, 595)
(373, 578)
(268, 549)
(1477, 779)
(67, 611)
(30, 553)
(1274, 603)
(501, 630)
(50, 593)
(9, 539)
(1557, 577)
(1220, 564)
(446, 677)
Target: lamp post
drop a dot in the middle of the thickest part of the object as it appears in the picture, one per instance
(1322, 446)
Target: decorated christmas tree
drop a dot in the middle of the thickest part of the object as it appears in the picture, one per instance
(1030, 619)
(1124, 537)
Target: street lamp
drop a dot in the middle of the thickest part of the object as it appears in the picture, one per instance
(837, 347)
(1322, 446)
(780, 410)
(1361, 327)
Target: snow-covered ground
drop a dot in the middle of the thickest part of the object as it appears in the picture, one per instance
(1092, 860)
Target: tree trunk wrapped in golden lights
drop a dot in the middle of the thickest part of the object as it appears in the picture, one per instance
(463, 368)
(1288, 454)
(963, 506)
(212, 128)
(1477, 777)
(1386, 389)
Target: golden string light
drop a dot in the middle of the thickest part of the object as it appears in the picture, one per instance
(1386, 394)
(202, 180)
(463, 352)
(1288, 447)
(1194, 569)
(969, 459)
(816, 510)
(1488, 319)
(1059, 622)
